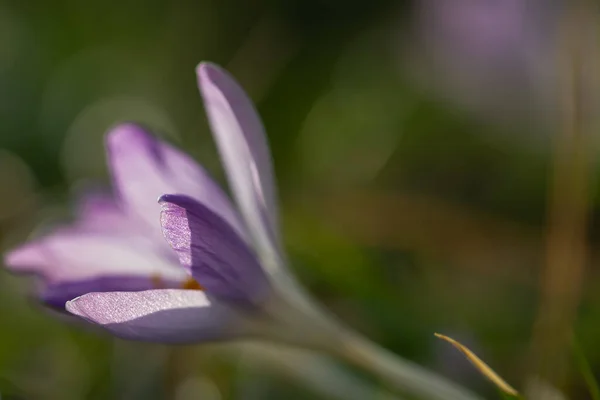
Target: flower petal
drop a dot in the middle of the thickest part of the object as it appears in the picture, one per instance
(145, 168)
(165, 315)
(242, 143)
(71, 254)
(57, 294)
(99, 212)
(218, 258)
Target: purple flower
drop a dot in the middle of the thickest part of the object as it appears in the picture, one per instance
(113, 267)
(219, 274)
(496, 59)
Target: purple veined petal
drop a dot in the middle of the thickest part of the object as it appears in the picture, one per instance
(70, 254)
(99, 212)
(219, 260)
(242, 143)
(164, 315)
(57, 294)
(145, 168)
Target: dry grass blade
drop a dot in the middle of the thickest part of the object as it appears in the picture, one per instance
(481, 366)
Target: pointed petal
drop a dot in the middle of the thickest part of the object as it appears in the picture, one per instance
(70, 254)
(99, 212)
(57, 294)
(218, 258)
(164, 316)
(242, 143)
(145, 168)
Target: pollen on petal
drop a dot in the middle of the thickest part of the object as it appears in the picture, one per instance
(191, 284)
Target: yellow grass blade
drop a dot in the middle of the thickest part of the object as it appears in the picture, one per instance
(481, 366)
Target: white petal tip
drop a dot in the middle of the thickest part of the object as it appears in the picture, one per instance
(205, 68)
(124, 132)
(23, 258)
(72, 306)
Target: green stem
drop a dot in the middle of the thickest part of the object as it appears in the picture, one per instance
(401, 374)
(316, 372)
(306, 325)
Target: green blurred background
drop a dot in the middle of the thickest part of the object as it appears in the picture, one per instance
(414, 148)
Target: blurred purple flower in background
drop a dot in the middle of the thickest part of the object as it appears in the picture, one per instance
(113, 267)
(497, 59)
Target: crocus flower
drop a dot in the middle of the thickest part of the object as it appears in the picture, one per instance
(114, 268)
(221, 271)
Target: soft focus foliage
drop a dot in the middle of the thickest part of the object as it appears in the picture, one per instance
(414, 184)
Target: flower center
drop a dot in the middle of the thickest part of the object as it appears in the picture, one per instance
(157, 281)
(191, 284)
